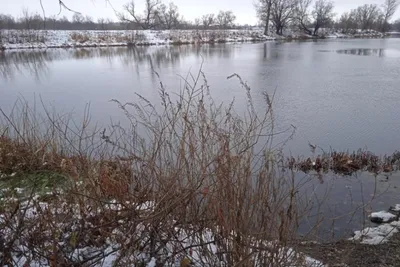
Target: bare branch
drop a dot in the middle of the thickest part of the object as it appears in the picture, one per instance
(62, 5)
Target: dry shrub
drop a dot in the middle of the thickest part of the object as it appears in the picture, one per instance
(132, 37)
(23, 36)
(345, 163)
(80, 37)
(190, 180)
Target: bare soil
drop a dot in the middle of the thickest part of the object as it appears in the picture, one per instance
(353, 254)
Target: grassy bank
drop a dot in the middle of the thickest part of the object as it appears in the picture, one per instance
(21, 39)
(27, 39)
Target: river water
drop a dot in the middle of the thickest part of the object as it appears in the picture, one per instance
(343, 94)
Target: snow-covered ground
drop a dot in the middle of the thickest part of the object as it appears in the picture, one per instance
(383, 217)
(104, 236)
(377, 235)
(382, 233)
(36, 231)
(25, 39)
(22, 39)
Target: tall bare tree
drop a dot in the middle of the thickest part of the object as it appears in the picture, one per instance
(263, 8)
(302, 15)
(282, 13)
(396, 25)
(347, 22)
(148, 20)
(7, 22)
(168, 15)
(322, 14)
(37, 22)
(27, 18)
(102, 23)
(389, 8)
(208, 20)
(78, 18)
(226, 19)
(367, 16)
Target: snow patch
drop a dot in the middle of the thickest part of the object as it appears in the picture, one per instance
(396, 208)
(382, 217)
(376, 235)
(24, 39)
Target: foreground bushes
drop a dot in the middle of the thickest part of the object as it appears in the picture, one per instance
(187, 181)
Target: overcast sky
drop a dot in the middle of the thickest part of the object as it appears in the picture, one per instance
(190, 9)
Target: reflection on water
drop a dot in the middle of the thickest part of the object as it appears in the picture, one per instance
(370, 52)
(331, 97)
(36, 62)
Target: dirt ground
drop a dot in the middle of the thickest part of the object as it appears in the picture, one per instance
(353, 254)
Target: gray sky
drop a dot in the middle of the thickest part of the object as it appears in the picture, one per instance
(190, 9)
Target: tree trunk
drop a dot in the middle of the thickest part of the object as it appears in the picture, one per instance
(266, 30)
(279, 29)
(304, 28)
(316, 30)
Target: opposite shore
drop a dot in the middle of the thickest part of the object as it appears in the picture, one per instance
(42, 39)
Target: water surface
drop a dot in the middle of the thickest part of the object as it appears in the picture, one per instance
(343, 94)
(334, 98)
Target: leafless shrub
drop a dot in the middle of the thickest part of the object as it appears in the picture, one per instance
(346, 163)
(133, 37)
(80, 37)
(23, 36)
(190, 180)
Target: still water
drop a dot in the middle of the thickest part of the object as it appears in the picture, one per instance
(343, 94)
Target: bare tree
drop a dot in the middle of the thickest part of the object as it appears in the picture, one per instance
(78, 18)
(169, 16)
(322, 14)
(27, 18)
(396, 25)
(282, 13)
(149, 19)
(389, 8)
(208, 20)
(102, 23)
(226, 19)
(3, 21)
(37, 22)
(302, 15)
(197, 22)
(263, 8)
(367, 16)
(52, 22)
(347, 22)
(88, 19)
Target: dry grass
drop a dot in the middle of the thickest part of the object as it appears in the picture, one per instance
(23, 36)
(345, 163)
(188, 180)
(80, 37)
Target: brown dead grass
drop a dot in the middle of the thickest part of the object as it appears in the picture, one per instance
(197, 161)
(80, 37)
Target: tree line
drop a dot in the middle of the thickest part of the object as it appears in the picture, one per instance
(155, 16)
(308, 16)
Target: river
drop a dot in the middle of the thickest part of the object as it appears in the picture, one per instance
(339, 93)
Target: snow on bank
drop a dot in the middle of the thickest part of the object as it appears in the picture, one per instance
(25, 39)
(396, 208)
(382, 217)
(376, 235)
(22, 39)
(71, 221)
(382, 233)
